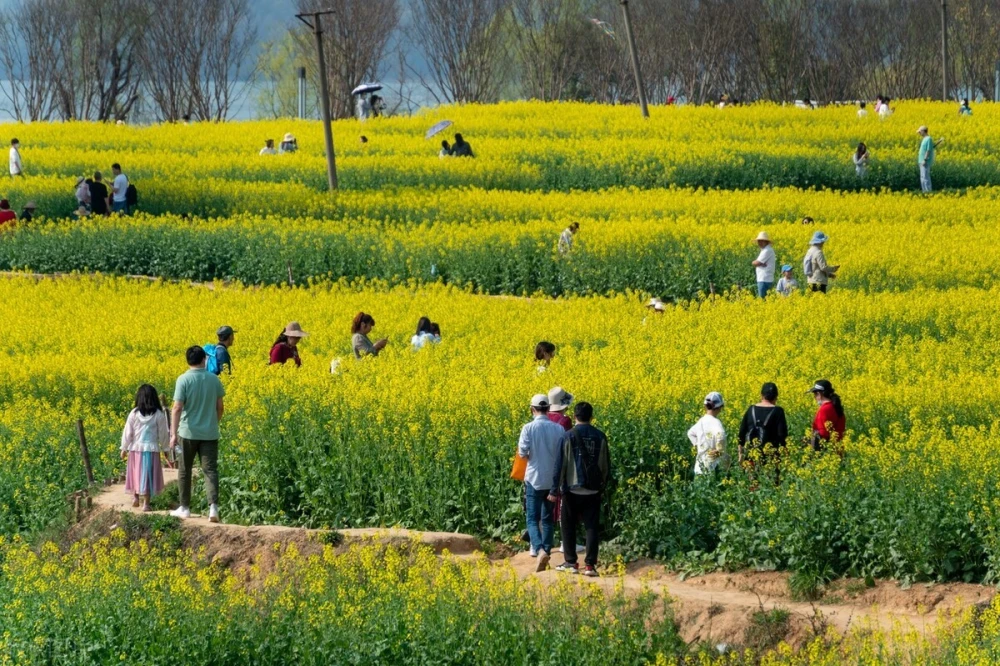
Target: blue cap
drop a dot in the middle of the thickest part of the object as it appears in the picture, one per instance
(786, 268)
(818, 237)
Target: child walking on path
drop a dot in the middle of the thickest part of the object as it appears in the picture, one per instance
(146, 434)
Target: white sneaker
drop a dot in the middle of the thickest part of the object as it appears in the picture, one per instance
(534, 553)
(213, 513)
(181, 512)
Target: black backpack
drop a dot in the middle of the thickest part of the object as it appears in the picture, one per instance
(131, 195)
(590, 457)
(758, 429)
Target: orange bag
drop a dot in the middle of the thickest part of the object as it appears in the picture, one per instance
(520, 467)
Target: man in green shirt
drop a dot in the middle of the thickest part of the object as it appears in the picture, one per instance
(194, 422)
(925, 157)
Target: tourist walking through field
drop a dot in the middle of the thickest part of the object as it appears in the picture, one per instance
(763, 431)
(582, 470)
(83, 193)
(119, 190)
(708, 436)
(360, 328)
(268, 148)
(194, 424)
(218, 353)
(965, 109)
(7, 215)
(925, 157)
(16, 167)
(540, 443)
(559, 402)
(566, 238)
(817, 271)
(764, 264)
(862, 111)
(144, 439)
(98, 195)
(860, 158)
(461, 147)
(831, 420)
(286, 346)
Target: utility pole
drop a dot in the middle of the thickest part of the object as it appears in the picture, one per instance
(944, 51)
(324, 93)
(635, 59)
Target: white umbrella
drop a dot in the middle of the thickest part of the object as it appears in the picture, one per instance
(438, 128)
(366, 88)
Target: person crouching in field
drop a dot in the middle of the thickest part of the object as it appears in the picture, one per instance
(145, 436)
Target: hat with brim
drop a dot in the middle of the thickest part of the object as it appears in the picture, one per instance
(31, 205)
(289, 137)
(922, 129)
(540, 401)
(819, 238)
(714, 400)
(653, 302)
(559, 399)
(225, 331)
(762, 236)
(821, 386)
(786, 268)
(293, 330)
(81, 212)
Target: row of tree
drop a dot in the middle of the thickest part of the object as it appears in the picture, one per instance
(171, 58)
(110, 59)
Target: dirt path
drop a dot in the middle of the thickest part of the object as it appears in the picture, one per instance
(717, 607)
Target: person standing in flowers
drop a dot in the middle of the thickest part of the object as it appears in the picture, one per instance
(540, 443)
(581, 475)
(144, 438)
(787, 284)
(16, 168)
(831, 420)
(360, 328)
(925, 157)
(544, 353)
(461, 147)
(763, 431)
(424, 334)
(818, 272)
(559, 402)
(708, 436)
(198, 408)
(286, 347)
(764, 264)
(965, 109)
(268, 148)
(860, 160)
(566, 238)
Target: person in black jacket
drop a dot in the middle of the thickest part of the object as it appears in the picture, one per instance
(581, 475)
(461, 147)
(763, 431)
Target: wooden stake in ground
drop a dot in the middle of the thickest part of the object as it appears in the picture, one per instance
(84, 452)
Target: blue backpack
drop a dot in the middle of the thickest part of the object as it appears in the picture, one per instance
(212, 362)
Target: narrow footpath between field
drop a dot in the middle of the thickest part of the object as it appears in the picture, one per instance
(717, 607)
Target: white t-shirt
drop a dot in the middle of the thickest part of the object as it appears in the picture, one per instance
(565, 241)
(862, 113)
(268, 151)
(118, 187)
(766, 256)
(705, 435)
(15, 161)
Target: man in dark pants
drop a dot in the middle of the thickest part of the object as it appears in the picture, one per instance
(581, 475)
(194, 422)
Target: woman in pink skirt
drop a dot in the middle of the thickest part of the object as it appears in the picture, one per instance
(146, 434)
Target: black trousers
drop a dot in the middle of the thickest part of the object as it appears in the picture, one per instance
(818, 287)
(576, 508)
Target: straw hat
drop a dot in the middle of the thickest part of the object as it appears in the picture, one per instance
(922, 129)
(81, 212)
(559, 399)
(31, 205)
(762, 236)
(293, 330)
(289, 137)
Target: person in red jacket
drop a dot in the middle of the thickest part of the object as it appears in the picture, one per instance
(830, 421)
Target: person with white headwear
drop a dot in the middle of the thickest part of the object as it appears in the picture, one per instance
(765, 264)
(818, 273)
(708, 436)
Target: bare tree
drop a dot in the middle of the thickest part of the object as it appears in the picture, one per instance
(28, 56)
(976, 44)
(356, 37)
(466, 46)
(549, 38)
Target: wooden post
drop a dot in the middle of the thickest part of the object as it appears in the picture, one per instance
(84, 452)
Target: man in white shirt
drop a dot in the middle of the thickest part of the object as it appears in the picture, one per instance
(15, 158)
(268, 148)
(119, 190)
(862, 111)
(764, 263)
(566, 238)
(540, 442)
